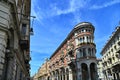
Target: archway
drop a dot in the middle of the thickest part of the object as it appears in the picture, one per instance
(93, 71)
(63, 73)
(84, 71)
(57, 75)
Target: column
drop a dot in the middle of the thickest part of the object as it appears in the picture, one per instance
(96, 75)
(78, 71)
(10, 68)
(89, 72)
(94, 51)
(78, 53)
(81, 52)
(86, 39)
(65, 74)
(87, 52)
(70, 74)
(3, 42)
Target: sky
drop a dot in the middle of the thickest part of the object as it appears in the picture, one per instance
(56, 18)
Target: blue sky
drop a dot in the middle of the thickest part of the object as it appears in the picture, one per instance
(56, 18)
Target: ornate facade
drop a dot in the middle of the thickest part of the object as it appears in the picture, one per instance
(75, 58)
(14, 39)
(111, 56)
(100, 69)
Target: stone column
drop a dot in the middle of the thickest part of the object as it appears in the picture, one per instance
(85, 38)
(96, 75)
(78, 71)
(70, 74)
(87, 52)
(89, 73)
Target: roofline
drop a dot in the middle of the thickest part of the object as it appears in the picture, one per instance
(110, 39)
(68, 36)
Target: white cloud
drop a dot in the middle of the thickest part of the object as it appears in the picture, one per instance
(54, 10)
(105, 4)
(73, 6)
(34, 12)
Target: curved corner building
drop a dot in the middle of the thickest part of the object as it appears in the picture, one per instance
(85, 51)
(75, 58)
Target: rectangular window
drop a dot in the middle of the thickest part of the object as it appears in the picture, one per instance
(23, 31)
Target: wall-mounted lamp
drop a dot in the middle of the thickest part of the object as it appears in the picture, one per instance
(31, 29)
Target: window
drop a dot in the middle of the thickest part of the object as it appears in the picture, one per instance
(89, 52)
(23, 31)
(80, 39)
(115, 47)
(84, 52)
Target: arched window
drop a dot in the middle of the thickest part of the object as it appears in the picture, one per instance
(80, 40)
(87, 39)
(89, 52)
(80, 52)
(84, 52)
(85, 74)
(83, 39)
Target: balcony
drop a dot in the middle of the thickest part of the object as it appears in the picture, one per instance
(24, 44)
(117, 55)
(118, 50)
(86, 43)
(28, 66)
(109, 58)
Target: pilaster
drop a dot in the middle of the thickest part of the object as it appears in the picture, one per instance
(3, 43)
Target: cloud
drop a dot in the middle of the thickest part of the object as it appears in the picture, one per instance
(107, 4)
(74, 5)
(54, 10)
(35, 11)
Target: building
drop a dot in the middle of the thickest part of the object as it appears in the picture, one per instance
(15, 39)
(75, 58)
(111, 56)
(100, 69)
(43, 72)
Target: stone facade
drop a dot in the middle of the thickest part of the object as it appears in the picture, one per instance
(100, 69)
(111, 56)
(14, 39)
(75, 58)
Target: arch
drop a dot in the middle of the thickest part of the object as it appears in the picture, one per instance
(93, 71)
(67, 74)
(57, 75)
(62, 74)
(53, 75)
(84, 71)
